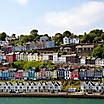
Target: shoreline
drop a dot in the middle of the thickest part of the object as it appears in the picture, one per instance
(50, 95)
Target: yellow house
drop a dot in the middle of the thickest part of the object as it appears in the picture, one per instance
(54, 74)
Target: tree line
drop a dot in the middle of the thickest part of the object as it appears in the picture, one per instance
(94, 36)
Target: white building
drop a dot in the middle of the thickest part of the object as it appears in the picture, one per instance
(74, 40)
(67, 74)
(55, 57)
(99, 62)
(17, 56)
(62, 59)
(83, 61)
(65, 40)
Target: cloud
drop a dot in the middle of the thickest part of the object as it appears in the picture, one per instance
(23, 2)
(78, 19)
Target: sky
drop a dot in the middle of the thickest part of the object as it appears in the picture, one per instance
(51, 16)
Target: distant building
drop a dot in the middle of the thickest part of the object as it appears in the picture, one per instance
(74, 40)
(44, 39)
(86, 48)
(67, 40)
(50, 44)
(11, 57)
(99, 62)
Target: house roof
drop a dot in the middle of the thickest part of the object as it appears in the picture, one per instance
(85, 46)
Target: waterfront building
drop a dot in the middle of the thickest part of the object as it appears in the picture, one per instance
(25, 75)
(31, 74)
(83, 74)
(75, 74)
(60, 73)
(98, 74)
(11, 72)
(54, 74)
(31, 87)
(90, 74)
(5, 75)
(10, 57)
(48, 73)
(19, 74)
(67, 74)
(91, 87)
(99, 62)
(42, 73)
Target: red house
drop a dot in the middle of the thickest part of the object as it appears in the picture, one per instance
(11, 57)
(19, 74)
(75, 74)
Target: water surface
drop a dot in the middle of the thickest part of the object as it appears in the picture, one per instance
(29, 100)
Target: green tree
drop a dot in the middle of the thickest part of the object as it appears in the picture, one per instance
(3, 36)
(67, 34)
(102, 36)
(58, 38)
(97, 39)
(98, 52)
(97, 32)
(13, 35)
(18, 64)
(34, 32)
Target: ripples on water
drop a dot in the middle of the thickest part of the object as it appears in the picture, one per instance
(28, 100)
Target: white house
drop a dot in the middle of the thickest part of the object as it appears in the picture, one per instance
(17, 56)
(55, 57)
(46, 57)
(99, 62)
(22, 56)
(74, 40)
(62, 59)
(83, 61)
(67, 74)
(65, 40)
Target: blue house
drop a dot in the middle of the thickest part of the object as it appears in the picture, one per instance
(5, 75)
(11, 74)
(82, 74)
(98, 74)
(60, 73)
(31, 74)
(90, 74)
(1, 57)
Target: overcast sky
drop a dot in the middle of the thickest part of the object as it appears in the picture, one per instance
(51, 16)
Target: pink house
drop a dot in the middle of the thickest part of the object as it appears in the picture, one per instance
(19, 74)
(75, 74)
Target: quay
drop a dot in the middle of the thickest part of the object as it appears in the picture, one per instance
(52, 95)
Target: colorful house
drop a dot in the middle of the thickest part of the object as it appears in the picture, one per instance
(19, 74)
(75, 74)
(31, 74)
(60, 73)
(54, 74)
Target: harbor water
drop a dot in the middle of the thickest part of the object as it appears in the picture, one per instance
(33, 100)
